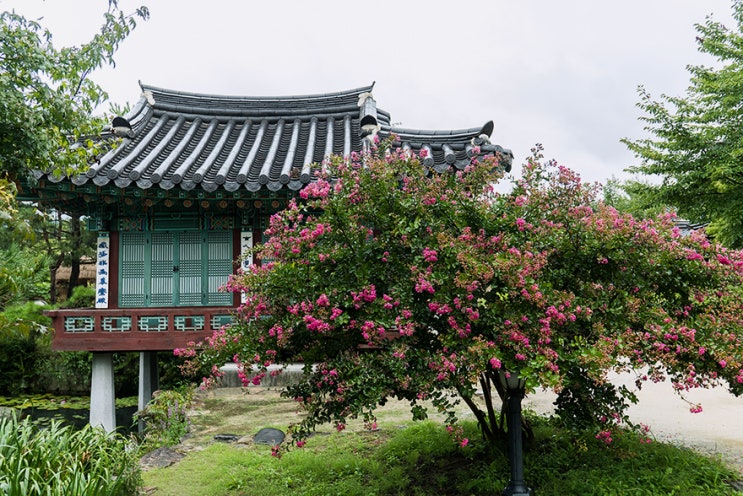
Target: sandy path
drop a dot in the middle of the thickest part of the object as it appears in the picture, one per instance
(718, 429)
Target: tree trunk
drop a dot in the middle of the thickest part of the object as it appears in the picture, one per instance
(76, 238)
(492, 420)
(53, 283)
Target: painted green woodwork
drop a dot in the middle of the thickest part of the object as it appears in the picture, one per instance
(175, 268)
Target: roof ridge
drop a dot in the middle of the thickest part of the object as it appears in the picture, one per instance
(239, 98)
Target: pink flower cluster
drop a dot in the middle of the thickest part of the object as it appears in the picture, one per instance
(430, 255)
(366, 295)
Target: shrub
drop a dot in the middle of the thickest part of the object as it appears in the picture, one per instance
(63, 461)
(20, 328)
(82, 297)
(165, 418)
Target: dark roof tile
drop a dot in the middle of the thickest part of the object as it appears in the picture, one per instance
(189, 140)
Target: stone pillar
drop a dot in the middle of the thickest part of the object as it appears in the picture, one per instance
(149, 379)
(102, 394)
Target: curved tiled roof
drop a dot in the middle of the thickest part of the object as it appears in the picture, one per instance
(186, 141)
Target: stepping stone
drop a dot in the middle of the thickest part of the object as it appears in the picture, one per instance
(226, 438)
(160, 458)
(269, 436)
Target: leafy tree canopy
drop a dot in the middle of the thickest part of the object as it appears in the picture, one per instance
(46, 96)
(429, 287)
(697, 139)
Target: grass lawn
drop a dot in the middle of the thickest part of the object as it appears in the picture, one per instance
(406, 458)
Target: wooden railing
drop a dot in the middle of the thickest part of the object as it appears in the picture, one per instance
(135, 329)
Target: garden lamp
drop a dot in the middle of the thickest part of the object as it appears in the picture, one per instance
(515, 387)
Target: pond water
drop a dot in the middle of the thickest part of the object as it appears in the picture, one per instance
(78, 417)
(70, 410)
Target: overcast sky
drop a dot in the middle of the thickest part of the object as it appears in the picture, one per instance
(561, 73)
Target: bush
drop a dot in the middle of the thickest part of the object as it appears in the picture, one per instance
(20, 328)
(165, 418)
(62, 461)
(82, 297)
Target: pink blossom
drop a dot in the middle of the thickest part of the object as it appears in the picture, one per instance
(315, 324)
(723, 260)
(605, 437)
(430, 255)
(424, 286)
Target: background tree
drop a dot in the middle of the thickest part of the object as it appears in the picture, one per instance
(625, 197)
(697, 139)
(429, 287)
(47, 121)
(47, 98)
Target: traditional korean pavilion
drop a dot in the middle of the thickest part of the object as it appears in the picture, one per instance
(187, 191)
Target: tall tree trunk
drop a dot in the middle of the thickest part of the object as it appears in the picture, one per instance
(57, 258)
(76, 238)
(53, 268)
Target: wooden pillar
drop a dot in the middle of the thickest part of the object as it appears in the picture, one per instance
(102, 393)
(149, 379)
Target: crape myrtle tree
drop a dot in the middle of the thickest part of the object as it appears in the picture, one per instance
(399, 284)
(692, 159)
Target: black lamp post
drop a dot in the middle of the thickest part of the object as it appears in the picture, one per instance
(515, 387)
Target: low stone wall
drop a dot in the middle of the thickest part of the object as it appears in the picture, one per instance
(291, 374)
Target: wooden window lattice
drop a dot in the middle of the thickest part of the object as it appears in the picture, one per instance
(116, 324)
(79, 324)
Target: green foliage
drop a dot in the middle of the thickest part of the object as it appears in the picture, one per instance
(694, 153)
(63, 372)
(15, 229)
(632, 465)
(29, 315)
(27, 363)
(21, 326)
(61, 461)
(23, 276)
(165, 418)
(626, 198)
(46, 95)
(82, 297)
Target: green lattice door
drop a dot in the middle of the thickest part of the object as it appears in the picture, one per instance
(186, 268)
